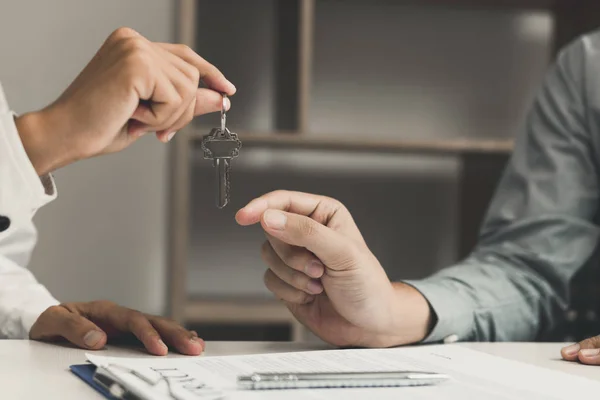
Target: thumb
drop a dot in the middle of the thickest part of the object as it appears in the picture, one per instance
(332, 248)
(589, 352)
(60, 322)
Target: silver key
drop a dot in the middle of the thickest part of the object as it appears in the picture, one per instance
(221, 146)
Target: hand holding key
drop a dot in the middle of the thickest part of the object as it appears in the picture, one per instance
(132, 86)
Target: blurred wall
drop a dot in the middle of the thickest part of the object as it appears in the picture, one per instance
(105, 236)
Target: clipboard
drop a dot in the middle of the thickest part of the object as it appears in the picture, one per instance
(86, 373)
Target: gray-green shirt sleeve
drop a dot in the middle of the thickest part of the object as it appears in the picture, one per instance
(541, 226)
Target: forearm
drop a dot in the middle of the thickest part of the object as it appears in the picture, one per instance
(40, 133)
(503, 294)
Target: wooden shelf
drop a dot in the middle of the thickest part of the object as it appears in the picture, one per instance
(259, 311)
(325, 142)
(241, 311)
(491, 4)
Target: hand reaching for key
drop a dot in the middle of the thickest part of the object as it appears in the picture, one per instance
(130, 87)
(321, 267)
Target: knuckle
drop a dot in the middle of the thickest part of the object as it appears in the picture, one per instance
(330, 206)
(291, 259)
(332, 201)
(135, 315)
(335, 204)
(594, 341)
(55, 309)
(267, 279)
(70, 307)
(103, 304)
(299, 297)
(134, 44)
(279, 192)
(185, 50)
(122, 33)
(195, 76)
(135, 49)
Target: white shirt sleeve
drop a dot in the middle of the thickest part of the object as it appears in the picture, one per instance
(22, 193)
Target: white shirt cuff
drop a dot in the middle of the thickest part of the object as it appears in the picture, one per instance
(42, 189)
(32, 311)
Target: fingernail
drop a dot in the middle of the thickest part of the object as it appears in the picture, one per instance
(572, 349)
(590, 352)
(232, 89)
(314, 287)
(275, 219)
(314, 269)
(227, 104)
(92, 338)
(162, 344)
(171, 136)
(196, 340)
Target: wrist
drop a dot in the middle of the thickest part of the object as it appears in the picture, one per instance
(40, 134)
(411, 318)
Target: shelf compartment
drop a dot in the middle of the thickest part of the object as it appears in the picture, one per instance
(325, 142)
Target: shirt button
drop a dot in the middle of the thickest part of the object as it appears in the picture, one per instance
(571, 315)
(591, 316)
(451, 339)
(4, 223)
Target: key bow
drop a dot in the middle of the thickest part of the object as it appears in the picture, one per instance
(221, 144)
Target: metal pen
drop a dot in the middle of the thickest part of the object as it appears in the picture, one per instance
(258, 381)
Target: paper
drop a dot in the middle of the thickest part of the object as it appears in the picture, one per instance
(474, 375)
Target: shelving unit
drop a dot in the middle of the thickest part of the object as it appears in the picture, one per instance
(482, 160)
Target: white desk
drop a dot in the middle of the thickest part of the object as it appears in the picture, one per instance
(32, 370)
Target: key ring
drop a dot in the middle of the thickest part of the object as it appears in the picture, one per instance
(224, 113)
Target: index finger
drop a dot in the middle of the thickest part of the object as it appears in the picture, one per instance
(210, 74)
(284, 200)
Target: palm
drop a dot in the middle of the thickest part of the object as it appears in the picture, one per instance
(325, 321)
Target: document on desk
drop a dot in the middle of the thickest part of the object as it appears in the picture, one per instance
(473, 375)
